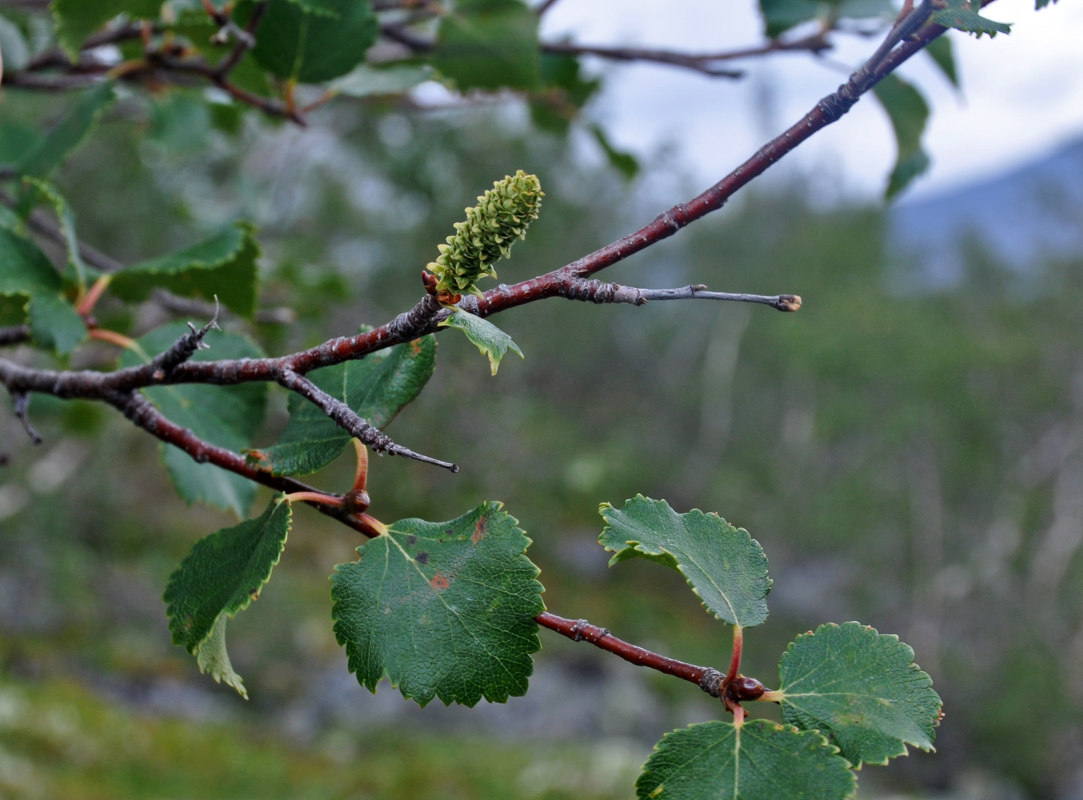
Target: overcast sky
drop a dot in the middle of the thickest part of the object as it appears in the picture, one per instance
(1022, 94)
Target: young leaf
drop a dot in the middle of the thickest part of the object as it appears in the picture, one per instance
(66, 217)
(31, 281)
(310, 42)
(77, 19)
(442, 609)
(781, 15)
(962, 15)
(223, 265)
(366, 81)
(908, 112)
(862, 689)
(625, 163)
(488, 44)
(564, 92)
(725, 566)
(376, 387)
(759, 760)
(488, 338)
(222, 574)
(227, 416)
(939, 50)
(80, 118)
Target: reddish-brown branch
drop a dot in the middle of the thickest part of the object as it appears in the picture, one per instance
(142, 413)
(706, 678)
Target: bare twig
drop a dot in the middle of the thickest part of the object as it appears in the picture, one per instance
(21, 401)
(349, 421)
(143, 414)
(708, 679)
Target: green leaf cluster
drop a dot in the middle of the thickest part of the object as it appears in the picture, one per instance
(490, 229)
(849, 695)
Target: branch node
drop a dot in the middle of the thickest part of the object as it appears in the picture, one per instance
(711, 682)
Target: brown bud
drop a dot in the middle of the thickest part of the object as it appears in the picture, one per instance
(356, 501)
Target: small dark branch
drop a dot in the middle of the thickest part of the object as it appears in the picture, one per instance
(349, 421)
(143, 414)
(21, 401)
(398, 33)
(545, 6)
(167, 67)
(245, 39)
(195, 307)
(183, 349)
(14, 334)
(703, 64)
(707, 678)
(227, 28)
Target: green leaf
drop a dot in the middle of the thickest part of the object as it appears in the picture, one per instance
(376, 387)
(564, 92)
(366, 81)
(312, 41)
(862, 689)
(939, 49)
(222, 574)
(223, 265)
(180, 122)
(489, 44)
(725, 566)
(64, 214)
(625, 163)
(488, 338)
(962, 15)
(228, 416)
(759, 760)
(15, 48)
(324, 8)
(781, 15)
(908, 112)
(77, 19)
(30, 280)
(442, 609)
(76, 123)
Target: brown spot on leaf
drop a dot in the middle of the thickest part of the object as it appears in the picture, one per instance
(439, 582)
(422, 558)
(479, 530)
(411, 540)
(415, 347)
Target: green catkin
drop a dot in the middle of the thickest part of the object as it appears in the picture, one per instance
(491, 227)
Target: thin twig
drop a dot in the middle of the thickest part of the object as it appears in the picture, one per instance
(708, 679)
(347, 419)
(21, 401)
(638, 297)
(143, 413)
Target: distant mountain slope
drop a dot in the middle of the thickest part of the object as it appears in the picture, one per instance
(1026, 214)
